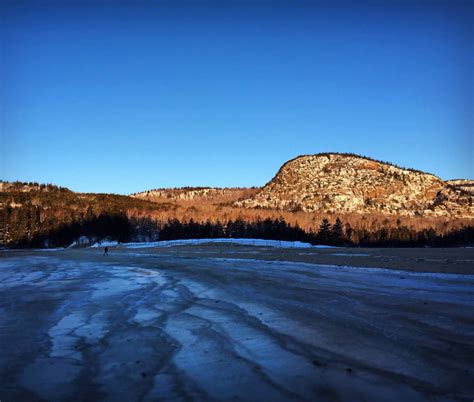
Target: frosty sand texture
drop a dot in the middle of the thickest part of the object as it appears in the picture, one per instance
(179, 326)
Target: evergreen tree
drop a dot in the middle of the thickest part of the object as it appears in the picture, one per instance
(337, 233)
(348, 232)
(324, 233)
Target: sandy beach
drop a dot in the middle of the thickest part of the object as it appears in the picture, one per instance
(230, 322)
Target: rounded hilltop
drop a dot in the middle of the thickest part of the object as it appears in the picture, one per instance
(343, 155)
(345, 183)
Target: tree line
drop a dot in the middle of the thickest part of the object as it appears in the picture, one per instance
(337, 234)
(122, 228)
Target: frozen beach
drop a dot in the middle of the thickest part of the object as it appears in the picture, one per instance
(223, 322)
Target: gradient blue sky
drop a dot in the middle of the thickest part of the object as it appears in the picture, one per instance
(122, 97)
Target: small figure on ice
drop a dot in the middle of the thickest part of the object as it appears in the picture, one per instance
(106, 251)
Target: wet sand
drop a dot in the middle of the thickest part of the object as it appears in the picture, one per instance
(224, 322)
(440, 260)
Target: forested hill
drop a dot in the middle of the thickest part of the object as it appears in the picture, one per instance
(37, 215)
(30, 211)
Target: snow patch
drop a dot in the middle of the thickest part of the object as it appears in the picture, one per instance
(243, 242)
(105, 243)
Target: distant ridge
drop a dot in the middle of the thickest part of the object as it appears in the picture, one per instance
(29, 186)
(216, 194)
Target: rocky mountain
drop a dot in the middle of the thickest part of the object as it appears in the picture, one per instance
(462, 184)
(346, 183)
(196, 194)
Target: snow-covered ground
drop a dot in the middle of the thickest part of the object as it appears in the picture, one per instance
(188, 242)
(105, 243)
(243, 242)
(143, 327)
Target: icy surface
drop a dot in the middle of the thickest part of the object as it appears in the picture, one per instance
(248, 242)
(351, 254)
(140, 327)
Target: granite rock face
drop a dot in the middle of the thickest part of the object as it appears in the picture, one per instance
(342, 183)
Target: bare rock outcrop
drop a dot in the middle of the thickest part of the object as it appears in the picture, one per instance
(344, 183)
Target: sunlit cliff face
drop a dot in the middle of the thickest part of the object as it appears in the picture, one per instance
(338, 183)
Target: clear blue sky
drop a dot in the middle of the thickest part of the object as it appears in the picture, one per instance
(122, 97)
